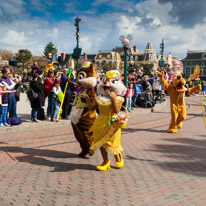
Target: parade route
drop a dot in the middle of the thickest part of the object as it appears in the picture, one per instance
(41, 167)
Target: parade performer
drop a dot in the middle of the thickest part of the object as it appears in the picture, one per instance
(82, 119)
(110, 98)
(177, 91)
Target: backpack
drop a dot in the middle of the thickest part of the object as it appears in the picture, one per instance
(14, 121)
(32, 95)
(156, 84)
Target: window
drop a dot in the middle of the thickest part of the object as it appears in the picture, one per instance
(204, 71)
(187, 71)
(100, 56)
(108, 56)
(188, 64)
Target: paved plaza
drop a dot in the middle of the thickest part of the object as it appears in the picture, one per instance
(39, 165)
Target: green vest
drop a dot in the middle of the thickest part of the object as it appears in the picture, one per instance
(77, 100)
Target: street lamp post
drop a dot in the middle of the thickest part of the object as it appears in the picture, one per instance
(161, 61)
(125, 43)
(77, 50)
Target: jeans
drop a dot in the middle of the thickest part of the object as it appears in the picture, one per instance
(49, 107)
(12, 107)
(134, 100)
(56, 108)
(128, 104)
(3, 114)
(34, 113)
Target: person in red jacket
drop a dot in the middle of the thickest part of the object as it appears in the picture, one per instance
(48, 86)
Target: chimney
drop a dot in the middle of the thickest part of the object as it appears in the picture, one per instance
(63, 56)
(135, 48)
(85, 56)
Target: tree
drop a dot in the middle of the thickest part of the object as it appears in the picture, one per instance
(48, 49)
(6, 55)
(147, 68)
(107, 67)
(23, 56)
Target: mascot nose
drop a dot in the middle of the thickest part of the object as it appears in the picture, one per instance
(105, 82)
(179, 77)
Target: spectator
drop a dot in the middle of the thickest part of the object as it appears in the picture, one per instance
(38, 102)
(10, 87)
(48, 86)
(41, 76)
(56, 91)
(25, 83)
(131, 76)
(4, 99)
(145, 83)
(128, 95)
(203, 88)
(156, 88)
(35, 68)
(67, 97)
(137, 92)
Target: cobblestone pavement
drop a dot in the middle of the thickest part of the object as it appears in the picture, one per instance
(41, 168)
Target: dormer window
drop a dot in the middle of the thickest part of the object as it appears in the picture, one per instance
(204, 55)
(100, 56)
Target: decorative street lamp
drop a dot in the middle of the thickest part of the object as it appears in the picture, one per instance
(77, 51)
(161, 61)
(125, 42)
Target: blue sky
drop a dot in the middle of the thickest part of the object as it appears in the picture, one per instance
(31, 24)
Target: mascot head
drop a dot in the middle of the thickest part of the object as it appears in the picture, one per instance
(111, 82)
(178, 82)
(86, 76)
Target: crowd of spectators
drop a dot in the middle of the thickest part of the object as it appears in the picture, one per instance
(142, 91)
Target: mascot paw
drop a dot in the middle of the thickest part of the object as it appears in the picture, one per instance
(171, 131)
(179, 126)
(83, 154)
(199, 87)
(91, 152)
(68, 80)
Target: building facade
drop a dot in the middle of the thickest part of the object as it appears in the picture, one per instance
(193, 58)
(107, 58)
(148, 56)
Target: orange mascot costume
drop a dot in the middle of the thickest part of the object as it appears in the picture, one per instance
(176, 90)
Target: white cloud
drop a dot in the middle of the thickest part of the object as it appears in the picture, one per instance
(147, 21)
(15, 38)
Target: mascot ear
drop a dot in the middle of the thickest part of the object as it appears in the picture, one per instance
(92, 67)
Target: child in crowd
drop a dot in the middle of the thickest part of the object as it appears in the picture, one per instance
(58, 98)
(4, 99)
(128, 95)
(137, 92)
(203, 89)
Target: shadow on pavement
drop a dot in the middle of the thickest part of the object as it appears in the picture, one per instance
(142, 160)
(32, 157)
(131, 130)
(58, 166)
(38, 152)
(25, 117)
(189, 157)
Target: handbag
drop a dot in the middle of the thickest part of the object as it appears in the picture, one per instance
(32, 95)
(119, 120)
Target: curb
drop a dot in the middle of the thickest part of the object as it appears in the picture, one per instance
(32, 126)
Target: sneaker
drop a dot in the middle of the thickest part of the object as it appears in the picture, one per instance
(1, 125)
(49, 118)
(36, 120)
(7, 125)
